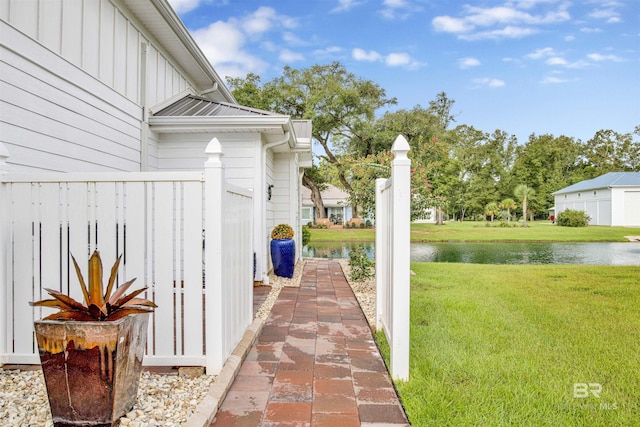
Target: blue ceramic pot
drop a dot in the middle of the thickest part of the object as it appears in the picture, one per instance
(283, 256)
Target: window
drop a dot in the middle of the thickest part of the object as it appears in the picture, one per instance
(305, 216)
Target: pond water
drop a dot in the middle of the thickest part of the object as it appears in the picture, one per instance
(607, 253)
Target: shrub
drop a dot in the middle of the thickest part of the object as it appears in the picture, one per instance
(310, 224)
(368, 223)
(361, 266)
(571, 218)
(362, 225)
(282, 231)
(306, 235)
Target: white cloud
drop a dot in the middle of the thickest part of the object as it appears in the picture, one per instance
(508, 32)
(590, 30)
(542, 53)
(226, 43)
(265, 19)
(448, 24)
(600, 58)
(486, 81)
(184, 6)
(229, 58)
(345, 5)
(556, 60)
(609, 15)
(511, 20)
(362, 55)
(468, 62)
(394, 59)
(553, 80)
(328, 51)
(289, 56)
(398, 59)
(398, 9)
(293, 40)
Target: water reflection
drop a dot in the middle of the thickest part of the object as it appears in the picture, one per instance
(611, 253)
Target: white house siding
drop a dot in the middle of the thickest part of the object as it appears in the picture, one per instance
(71, 83)
(632, 208)
(102, 39)
(187, 152)
(628, 207)
(285, 201)
(596, 203)
(55, 117)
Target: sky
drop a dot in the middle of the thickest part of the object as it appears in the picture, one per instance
(521, 66)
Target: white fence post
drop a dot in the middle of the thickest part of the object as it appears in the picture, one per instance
(382, 251)
(4, 258)
(392, 258)
(401, 193)
(213, 258)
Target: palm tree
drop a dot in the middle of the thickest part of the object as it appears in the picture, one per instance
(508, 204)
(524, 193)
(492, 209)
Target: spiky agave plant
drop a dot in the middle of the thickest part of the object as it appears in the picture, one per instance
(98, 305)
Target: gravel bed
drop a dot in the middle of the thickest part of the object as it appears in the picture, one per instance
(365, 293)
(163, 400)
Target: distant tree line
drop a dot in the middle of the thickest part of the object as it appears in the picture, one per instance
(459, 171)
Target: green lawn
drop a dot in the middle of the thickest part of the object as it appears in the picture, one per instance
(538, 231)
(504, 345)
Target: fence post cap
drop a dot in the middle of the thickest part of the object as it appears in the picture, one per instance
(214, 152)
(400, 147)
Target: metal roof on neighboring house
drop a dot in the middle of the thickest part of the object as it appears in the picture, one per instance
(194, 106)
(611, 179)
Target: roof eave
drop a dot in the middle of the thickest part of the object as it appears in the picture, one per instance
(169, 124)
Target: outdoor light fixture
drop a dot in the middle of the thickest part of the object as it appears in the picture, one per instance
(269, 187)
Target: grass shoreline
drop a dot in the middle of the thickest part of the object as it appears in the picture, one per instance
(477, 232)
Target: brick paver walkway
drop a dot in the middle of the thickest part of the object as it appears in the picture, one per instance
(315, 363)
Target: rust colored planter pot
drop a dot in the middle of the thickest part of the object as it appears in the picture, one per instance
(91, 369)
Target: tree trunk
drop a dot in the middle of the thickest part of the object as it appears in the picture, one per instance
(438, 215)
(524, 212)
(316, 196)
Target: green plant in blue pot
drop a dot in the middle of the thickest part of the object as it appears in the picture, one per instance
(283, 250)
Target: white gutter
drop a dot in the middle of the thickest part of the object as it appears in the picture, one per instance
(169, 124)
(263, 237)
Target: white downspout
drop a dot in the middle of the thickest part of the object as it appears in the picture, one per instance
(263, 228)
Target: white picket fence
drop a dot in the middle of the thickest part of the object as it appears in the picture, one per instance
(188, 236)
(392, 258)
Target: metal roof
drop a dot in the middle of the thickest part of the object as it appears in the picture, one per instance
(194, 106)
(611, 179)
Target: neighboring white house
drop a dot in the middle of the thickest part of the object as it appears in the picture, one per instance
(611, 199)
(120, 85)
(336, 205)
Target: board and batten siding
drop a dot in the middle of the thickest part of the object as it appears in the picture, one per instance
(187, 152)
(71, 76)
